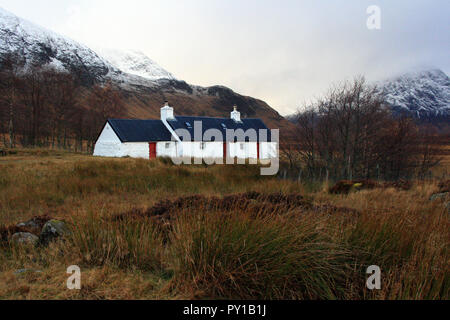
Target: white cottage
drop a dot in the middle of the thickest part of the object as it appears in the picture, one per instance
(190, 137)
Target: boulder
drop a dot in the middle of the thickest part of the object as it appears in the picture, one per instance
(24, 238)
(53, 230)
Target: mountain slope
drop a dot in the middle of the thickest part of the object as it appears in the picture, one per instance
(42, 47)
(424, 94)
(136, 63)
(142, 83)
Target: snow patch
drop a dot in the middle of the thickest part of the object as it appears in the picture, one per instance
(424, 92)
(135, 63)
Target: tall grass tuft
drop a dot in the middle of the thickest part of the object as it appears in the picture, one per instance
(128, 244)
(411, 248)
(235, 256)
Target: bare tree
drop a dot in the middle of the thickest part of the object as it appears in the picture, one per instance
(349, 133)
(10, 68)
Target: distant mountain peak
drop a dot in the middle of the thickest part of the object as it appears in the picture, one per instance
(136, 63)
(423, 93)
(40, 46)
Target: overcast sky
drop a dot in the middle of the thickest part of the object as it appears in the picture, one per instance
(284, 52)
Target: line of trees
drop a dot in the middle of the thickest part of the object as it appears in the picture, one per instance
(44, 107)
(351, 134)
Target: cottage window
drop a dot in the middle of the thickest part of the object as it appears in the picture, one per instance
(202, 146)
(168, 145)
(242, 146)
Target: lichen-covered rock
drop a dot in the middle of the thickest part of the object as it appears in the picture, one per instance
(53, 230)
(440, 196)
(24, 238)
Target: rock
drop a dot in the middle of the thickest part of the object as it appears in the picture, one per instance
(439, 196)
(31, 226)
(24, 238)
(447, 206)
(53, 230)
(36, 223)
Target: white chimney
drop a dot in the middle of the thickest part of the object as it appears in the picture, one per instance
(167, 112)
(236, 115)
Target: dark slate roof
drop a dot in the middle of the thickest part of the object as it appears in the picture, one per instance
(221, 124)
(140, 130)
(155, 130)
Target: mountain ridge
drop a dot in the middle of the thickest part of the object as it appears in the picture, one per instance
(422, 93)
(144, 90)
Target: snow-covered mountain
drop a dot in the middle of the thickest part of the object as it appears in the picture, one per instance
(136, 63)
(425, 94)
(39, 46)
(143, 84)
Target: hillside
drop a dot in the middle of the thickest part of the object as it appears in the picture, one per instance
(143, 84)
(424, 94)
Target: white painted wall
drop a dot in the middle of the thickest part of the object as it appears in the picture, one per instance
(268, 150)
(166, 149)
(136, 150)
(213, 150)
(195, 150)
(108, 144)
(243, 150)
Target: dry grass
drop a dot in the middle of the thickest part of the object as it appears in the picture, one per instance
(261, 244)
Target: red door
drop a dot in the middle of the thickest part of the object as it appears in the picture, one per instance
(225, 150)
(152, 147)
(259, 150)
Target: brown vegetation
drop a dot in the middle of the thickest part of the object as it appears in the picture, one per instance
(268, 238)
(444, 186)
(345, 186)
(254, 204)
